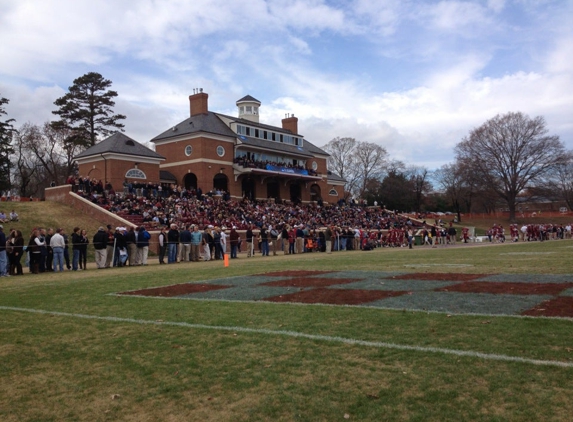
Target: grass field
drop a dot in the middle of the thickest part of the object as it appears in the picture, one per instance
(70, 349)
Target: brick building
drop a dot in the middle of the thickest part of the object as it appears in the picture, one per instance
(213, 151)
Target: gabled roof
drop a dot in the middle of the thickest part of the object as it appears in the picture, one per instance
(212, 123)
(335, 177)
(248, 98)
(118, 143)
(166, 175)
(208, 123)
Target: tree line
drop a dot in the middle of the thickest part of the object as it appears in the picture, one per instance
(509, 160)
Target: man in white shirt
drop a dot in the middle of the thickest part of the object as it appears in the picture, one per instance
(58, 243)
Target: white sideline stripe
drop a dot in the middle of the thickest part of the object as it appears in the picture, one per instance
(376, 344)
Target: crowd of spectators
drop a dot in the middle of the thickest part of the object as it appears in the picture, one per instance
(246, 162)
(176, 205)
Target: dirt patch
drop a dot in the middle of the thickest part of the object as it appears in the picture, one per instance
(336, 296)
(507, 288)
(558, 307)
(438, 276)
(175, 290)
(310, 282)
(294, 273)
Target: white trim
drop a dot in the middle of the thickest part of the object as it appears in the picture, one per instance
(118, 157)
(195, 161)
(313, 337)
(124, 222)
(136, 177)
(188, 137)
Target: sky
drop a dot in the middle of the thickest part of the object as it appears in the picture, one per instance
(412, 76)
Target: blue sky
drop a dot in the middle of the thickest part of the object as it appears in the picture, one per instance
(412, 76)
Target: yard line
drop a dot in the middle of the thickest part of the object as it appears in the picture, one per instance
(376, 344)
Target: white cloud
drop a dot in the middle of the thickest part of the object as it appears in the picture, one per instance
(338, 66)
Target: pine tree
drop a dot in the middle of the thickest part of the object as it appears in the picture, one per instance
(6, 149)
(87, 110)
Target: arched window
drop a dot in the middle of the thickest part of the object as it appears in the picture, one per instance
(332, 192)
(135, 174)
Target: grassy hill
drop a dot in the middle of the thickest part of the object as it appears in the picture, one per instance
(47, 215)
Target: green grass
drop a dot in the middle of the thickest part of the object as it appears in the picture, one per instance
(55, 367)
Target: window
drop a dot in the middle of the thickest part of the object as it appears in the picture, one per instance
(188, 150)
(220, 151)
(256, 133)
(135, 174)
(314, 165)
(332, 192)
(248, 131)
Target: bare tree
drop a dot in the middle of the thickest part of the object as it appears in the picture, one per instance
(371, 161)
(43, 156)
(357, 162)
(458, 185)
(342, 160)
(26, 168)
(509, 153)
(420, 184)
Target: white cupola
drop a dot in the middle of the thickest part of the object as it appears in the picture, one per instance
(249, 108)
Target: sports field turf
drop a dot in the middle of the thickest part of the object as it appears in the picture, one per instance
(466, 333)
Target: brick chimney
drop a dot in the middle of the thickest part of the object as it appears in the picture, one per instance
(198, 102)
(290, 123)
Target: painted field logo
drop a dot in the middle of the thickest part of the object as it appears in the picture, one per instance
(456, 293)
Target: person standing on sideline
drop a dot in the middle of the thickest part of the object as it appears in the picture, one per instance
(131, 243)
(84, 241)
(328, 238)
(49, 253)
(3, 256)
(185, 241)
(76, 245)
(100, 245)
(264, 234)
(162, 239)
(223, 240)
(34, 245)
(234, 240)
(57, 244)
(143, 245)
(249, 238)
(109, 246)
(196, 239)
(172, 241)
(17, 253)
